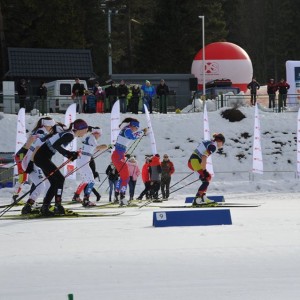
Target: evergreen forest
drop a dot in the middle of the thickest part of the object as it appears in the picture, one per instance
(155, 36)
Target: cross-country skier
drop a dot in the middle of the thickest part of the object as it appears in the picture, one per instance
(42, 159)
(127, 134)
(35, 174)
(90, 145)
(197, 163)
(39, 129)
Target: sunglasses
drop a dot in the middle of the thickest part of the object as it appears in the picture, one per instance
(166, 156)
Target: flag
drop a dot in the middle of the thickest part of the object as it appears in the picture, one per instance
(115, 122)
(150, 131)
(209, 164)
(298, 144)
(21, 137)
(70, 117)
(257, 166)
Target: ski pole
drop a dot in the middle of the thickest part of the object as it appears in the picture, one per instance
(179, 181)
(4, 171)
(76, 169)
(150, 201)
(6, 209)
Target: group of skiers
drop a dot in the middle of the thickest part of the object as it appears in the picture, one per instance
(48, 137)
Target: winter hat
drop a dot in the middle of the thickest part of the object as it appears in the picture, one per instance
(97, 130)
(147, 81)
(135, 124)
(219, 137)
(80, 124)
(132, 159)
(46, 122)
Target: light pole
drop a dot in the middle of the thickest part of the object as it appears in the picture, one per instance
(203, 57)
(109, 11)
(109, 42)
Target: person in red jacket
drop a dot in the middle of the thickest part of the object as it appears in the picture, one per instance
(283, 87)
(146, 179)
(168, 169)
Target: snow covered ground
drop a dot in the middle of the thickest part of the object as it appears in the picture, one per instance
(125, 257)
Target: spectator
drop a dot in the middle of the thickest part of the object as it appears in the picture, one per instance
(111, 93)
(77, 93)
(149, 93)
(22, 93)
(122, 94)
(283, 87)
(42, 93)
(162, 91)
(100, 98)
(113, 177)
(271, 90)
(253, 86)
(135, 99)
(146, 180)
(155, 176)
(90, 103)
(134, 173)
(167, 169)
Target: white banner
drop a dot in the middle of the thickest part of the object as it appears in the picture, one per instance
(150, 131)
(21, 137)
(115, 122)
(298, 144)
(70, 117)
(209, 164)
(257, 166)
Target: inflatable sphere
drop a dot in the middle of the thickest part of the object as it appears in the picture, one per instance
(224, 60)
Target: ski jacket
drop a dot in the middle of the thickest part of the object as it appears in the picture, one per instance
(124, 138)
(206, 148)
(145, 172)
(134, 170)
(283, 87)
(167, 169)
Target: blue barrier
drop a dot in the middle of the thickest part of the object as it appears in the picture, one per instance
(214, 198)
(192, 217)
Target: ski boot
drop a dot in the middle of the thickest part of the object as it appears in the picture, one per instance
(116, 198)
(87, 203)
(46, 212)
(27, 208)
(76, 198)
(201, 199)
(123, 201)
(59, 209)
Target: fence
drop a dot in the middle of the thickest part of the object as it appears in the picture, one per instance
(11, 104)
(293, 102)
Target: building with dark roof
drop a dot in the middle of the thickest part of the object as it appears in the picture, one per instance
(49, 64)
(37, 64)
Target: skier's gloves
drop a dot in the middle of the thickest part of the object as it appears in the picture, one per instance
(72, 155)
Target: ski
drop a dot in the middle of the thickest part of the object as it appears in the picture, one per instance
(210, 205)
(16, 204)
(72, 215)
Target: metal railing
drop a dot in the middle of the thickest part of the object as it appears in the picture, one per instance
(292, 102)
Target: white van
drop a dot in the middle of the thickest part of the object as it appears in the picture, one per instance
(59, 94)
